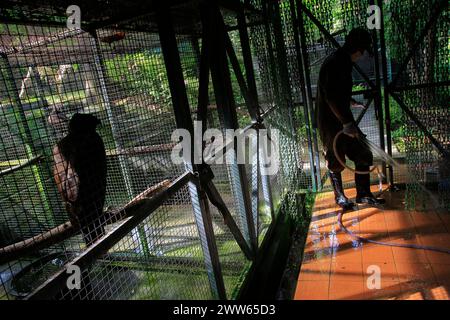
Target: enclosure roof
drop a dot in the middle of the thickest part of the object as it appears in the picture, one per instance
(95, 14)
(99, 12)
(40, 46)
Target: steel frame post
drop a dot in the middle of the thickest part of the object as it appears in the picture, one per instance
(247, 55)
(297, 18)
(309, 98)
(206, 174)
(203, 85)
(99, 67)
(377, 99)
(285, 88)
(250, 101)
(205, 229)
(265, 180)
(184, 120)
(100, 70)
(272, 70)
(25, 133)
(387, 112)
(266, 187)
(255, 173)
(253, 91)
(227, 113)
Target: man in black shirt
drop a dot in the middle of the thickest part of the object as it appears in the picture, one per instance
(334, 92)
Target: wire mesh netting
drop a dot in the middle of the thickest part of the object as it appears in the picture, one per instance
(426, 66)
(86, 124)
(122, 85)
(119, 76)
(172, 268)
(337, 18)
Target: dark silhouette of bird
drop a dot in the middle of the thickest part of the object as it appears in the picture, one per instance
(80, 174)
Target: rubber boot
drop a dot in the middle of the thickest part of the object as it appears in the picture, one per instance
(339, 196)
(363, 193)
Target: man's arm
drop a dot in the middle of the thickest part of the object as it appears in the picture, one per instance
(348, 122)
(341, 112)
(337, 84)
(338, 97)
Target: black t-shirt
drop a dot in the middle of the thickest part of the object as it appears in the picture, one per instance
(335, 84)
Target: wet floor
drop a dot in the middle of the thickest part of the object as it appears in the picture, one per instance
(335, 266)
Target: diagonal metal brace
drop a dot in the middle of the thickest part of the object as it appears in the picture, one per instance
(250, 100)
(334, 42)
(206, 175)
(433, 20)
(421, 126)
(363, 112)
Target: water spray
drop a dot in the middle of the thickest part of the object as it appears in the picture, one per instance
(388, 159)
(375, 150)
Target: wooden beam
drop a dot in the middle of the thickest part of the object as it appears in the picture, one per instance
(66, 230)
(143, 209)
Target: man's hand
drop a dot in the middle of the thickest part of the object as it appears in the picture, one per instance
(351, 130)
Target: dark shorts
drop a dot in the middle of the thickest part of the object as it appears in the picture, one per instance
(351, 148)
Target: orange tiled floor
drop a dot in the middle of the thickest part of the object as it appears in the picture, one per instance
(335, 266)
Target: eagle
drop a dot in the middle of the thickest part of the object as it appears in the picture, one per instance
(80, 175)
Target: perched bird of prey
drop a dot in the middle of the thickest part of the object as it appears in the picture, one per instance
(80, 175)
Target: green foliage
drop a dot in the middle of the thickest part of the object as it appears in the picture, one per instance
(301, 125)
(144, 73)
(140, 73)
(234, 36)
(397, 124)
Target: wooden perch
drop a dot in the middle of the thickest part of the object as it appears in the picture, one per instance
(66, 230)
